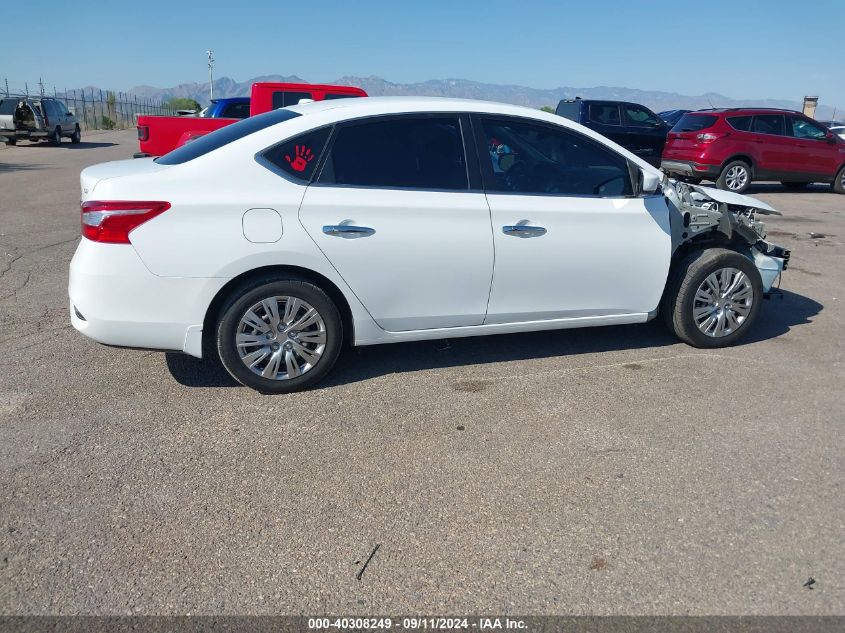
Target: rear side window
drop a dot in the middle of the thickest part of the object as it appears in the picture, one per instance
(769, 124)
(569, 110)
(331, 95)
(408, 152)
(236, 111)
(605, 113)
(694, 122)
(225, 135)
(283, 99)
(299, 156)
(741, 123)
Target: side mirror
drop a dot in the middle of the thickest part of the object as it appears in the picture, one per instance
(831, 138)
(648, 182)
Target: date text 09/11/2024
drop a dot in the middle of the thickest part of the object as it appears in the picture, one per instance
(411, 623)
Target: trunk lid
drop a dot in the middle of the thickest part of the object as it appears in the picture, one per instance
(92, 176)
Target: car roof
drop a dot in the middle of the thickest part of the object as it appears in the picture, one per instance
(351, 107)
(740, 111)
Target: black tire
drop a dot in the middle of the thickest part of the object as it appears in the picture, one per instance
(679, 299)
(725, 180)
(76, 136)
(253, 293)
(11, 141)
(56, 136)
(795, 185)
(839, 182)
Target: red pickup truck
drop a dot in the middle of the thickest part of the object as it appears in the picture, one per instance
(158, 135)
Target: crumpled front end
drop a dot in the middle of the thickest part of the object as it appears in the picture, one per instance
(703, 215)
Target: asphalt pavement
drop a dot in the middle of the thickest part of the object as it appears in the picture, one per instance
(598, 471)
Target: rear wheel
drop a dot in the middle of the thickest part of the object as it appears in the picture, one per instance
(56, 136)
(794, 185)
(279, 336)
(76, 136)
(11, 141)
(839, 181)
(735, 176)
(712, 298)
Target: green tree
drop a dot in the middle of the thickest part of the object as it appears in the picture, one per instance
(548, 109)
(182, 103)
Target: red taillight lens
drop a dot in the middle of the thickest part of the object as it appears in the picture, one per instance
(709, 137)
(143, 132)
(112, 221)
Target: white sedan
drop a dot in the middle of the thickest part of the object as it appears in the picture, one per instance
(275, 240)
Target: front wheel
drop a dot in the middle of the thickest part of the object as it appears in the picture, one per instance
(735, 176)
(279, 336)
(76, 136)
(839, 181)
(712, 298)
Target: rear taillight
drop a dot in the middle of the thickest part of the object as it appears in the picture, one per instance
(111, 221)
(143, 132)
(709, 137)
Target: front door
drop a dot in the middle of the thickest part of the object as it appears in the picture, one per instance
(570, 239)
(646, 132)
(393, 211)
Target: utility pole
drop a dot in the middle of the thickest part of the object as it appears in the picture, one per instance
(210, 54)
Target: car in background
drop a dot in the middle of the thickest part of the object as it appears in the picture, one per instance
(832, 124)
(158, 135)
(229, 108)
(631, 125)
(272, 242)
(839, 130)
(670, 117)
(736, 146)
(37, 119)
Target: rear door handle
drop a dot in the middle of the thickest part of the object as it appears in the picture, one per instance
(347, 230)
(523, 230)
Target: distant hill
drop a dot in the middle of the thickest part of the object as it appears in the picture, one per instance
(521, 95)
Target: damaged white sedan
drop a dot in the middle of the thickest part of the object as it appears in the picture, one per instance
(273, 242)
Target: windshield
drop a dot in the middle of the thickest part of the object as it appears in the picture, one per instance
(224, 136)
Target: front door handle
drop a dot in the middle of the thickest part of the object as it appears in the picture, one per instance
(347, 230)
(523, 230)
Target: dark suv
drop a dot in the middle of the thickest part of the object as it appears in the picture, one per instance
(634, 127)
(739, 145)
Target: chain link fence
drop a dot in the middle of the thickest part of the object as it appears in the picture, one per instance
(95, 109)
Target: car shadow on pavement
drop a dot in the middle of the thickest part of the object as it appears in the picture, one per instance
(779, 315)
(66, 145)
(765, 187)
(7, 167)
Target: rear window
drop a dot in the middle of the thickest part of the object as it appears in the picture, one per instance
(236, 111)
(7, 106)
(568, 110)
(283, 99)
(694, 122)
(225, 135)
(741, 123)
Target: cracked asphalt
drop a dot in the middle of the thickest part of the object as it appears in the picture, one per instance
(602, 471)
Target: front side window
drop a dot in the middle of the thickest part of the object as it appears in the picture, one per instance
(532, 158)
(409, 152)
(802, 128)
(299, 156)
(283, 99)
(641, 117)
(605, 113)
(769, 124)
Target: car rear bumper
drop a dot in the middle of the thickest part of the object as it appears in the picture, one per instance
(24, 134)
(116, 300)
(690, 168)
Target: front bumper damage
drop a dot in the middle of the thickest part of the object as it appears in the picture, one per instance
(702, 214)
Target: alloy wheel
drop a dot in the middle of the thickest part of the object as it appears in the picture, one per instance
(280, 337)
(723, 302)
(736, 178)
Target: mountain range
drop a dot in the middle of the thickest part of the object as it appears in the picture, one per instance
(521, 95)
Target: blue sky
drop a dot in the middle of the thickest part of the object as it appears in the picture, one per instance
(753, 49)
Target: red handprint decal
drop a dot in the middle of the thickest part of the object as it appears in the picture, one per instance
(301, 158)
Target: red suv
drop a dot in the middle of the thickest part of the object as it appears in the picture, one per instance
(736, 146)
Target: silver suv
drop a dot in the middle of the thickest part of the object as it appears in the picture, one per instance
(36, 119)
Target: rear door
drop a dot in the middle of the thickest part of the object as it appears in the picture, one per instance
(774, 148)
(570, 239)
(399, 212)
(606, 119)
